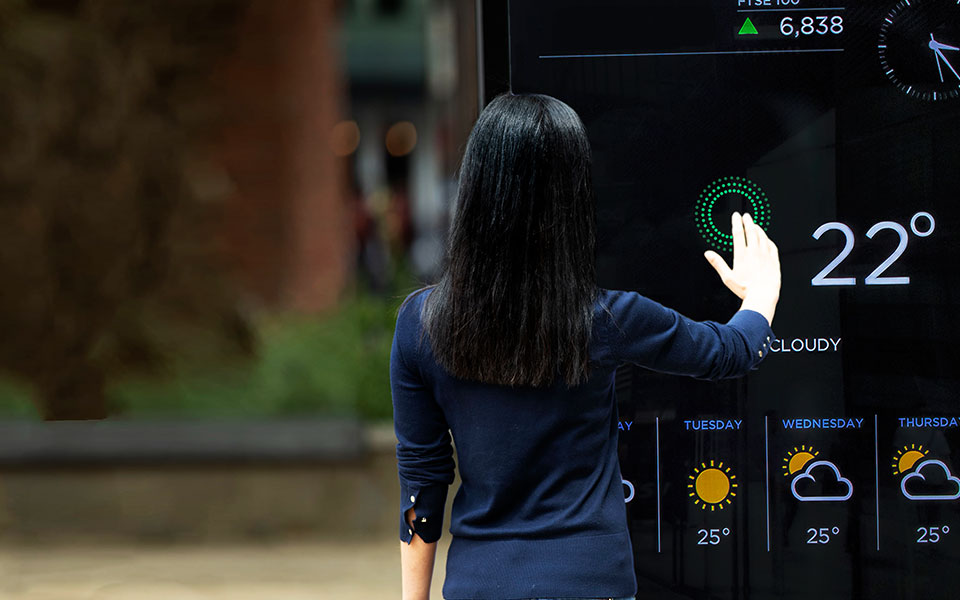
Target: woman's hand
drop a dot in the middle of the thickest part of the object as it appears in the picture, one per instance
(755, 276)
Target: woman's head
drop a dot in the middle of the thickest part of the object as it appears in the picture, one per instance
(515, 303)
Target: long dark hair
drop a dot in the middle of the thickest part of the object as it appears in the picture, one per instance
(514, 305)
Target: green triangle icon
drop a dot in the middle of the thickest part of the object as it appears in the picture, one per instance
(748, 28)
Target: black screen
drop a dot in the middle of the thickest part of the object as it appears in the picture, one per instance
(832, 471)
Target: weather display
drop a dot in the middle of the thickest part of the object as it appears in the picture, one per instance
(832, 471)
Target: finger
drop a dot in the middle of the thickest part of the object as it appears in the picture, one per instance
(739, 240)
(761, 238)
(750, 231)
(723, 270)
(719, 265)
(772, 248)
(765, 242)
(764, 238)
(763, 233)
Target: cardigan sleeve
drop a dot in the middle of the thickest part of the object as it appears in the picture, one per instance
(651, 335)
(424, 452)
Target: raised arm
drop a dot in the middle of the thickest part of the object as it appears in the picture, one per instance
(648, 334)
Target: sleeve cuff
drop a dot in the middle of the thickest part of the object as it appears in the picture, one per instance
(428, 502)
(757, 333)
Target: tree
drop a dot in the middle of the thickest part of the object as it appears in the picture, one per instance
(109, 260)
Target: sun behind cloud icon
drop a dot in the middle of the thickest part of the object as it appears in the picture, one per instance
(797, 459)
(906, 458)
(823, 468)
(935, 476)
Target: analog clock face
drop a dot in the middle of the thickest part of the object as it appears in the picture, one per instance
(920, 48)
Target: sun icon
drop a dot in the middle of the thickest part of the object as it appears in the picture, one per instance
(712, 486)
(906, 457)
(797, 459)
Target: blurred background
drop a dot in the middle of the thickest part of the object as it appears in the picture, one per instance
(210, 211)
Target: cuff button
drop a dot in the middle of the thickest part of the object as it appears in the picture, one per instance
(413, 498)
(410, 531)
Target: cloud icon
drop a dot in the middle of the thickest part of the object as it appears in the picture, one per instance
(835, 479)
(940, 484)
(626, 484)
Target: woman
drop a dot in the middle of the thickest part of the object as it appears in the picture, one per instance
(514, 353)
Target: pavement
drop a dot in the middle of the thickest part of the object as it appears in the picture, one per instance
(348, 570)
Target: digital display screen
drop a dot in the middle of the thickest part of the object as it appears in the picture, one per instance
(833, 471)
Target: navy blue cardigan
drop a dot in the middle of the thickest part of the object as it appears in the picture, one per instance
(540, 509)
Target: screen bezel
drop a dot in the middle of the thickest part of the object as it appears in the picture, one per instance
(493, 49)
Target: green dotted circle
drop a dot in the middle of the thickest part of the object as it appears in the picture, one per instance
(703, 215)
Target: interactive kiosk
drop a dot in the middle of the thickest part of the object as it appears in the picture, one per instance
(832, 472)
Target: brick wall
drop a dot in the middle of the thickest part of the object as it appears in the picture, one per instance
(287, 230)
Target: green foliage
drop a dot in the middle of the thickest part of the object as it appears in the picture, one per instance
(15, 400)
(305, 365)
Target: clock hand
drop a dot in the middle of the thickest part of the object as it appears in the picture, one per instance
(940, 57)
(936, 56)
(935, 45)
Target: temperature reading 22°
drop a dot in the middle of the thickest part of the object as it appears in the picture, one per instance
(712, 537)
(931, 535)
(922, 224)
(822, 535)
